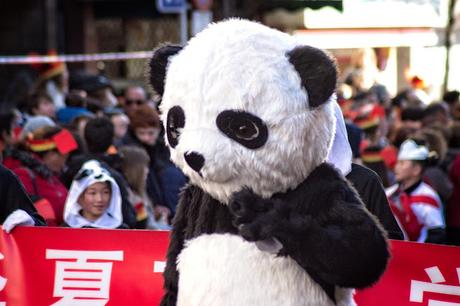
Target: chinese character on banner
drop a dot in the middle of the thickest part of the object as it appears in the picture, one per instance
(78, 281)
(418, 288)
(159, 266)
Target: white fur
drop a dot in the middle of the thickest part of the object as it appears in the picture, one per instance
(225, 270)
(242, 65)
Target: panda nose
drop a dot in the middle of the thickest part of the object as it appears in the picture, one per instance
(194, 160)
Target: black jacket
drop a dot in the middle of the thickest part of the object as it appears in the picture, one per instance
(371, 191)
(13, 197)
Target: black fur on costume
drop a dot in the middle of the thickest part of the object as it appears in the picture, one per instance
(322, 224)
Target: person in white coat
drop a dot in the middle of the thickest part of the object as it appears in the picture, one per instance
(415, 204)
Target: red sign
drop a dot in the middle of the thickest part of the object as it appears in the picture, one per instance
(52, 266)
(63, 266)
(418, 274)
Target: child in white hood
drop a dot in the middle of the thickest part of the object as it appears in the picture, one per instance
(94, 199)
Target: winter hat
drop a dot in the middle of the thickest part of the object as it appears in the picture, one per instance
(369, 116)
(340, 155)
(59, 139)
(410, 150)
(68, 114)
(372, 154)
(34, 123)
(88, 82)
(92, 172)
(144, 116)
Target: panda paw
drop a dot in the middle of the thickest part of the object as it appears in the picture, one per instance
(256, 218)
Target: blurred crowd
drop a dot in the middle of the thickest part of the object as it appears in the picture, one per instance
(90, 156)
(412, 143)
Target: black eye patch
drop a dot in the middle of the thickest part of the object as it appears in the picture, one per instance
(243, 127)
(174, 121)
(82, 174)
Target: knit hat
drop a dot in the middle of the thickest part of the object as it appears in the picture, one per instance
(372, 154)
(62, 141)
(144, 116)
(68, 114)
(92, 172)
(88, 82)
(410, 150)
(369, 116)
(34, 123)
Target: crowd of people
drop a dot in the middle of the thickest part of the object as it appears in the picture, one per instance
(413, 145)
(86, 157)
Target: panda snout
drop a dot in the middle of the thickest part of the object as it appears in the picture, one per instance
(194, 160)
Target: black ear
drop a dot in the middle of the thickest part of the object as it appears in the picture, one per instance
(158, 64)
(317, 71)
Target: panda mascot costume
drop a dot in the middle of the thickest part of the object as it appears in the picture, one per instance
(249, 118)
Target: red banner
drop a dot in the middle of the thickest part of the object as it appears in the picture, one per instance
(63, 266)
(418, 274)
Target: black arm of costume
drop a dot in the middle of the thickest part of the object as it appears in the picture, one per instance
(323, 225)
(13, 196)
(330, 234)
(176, 243)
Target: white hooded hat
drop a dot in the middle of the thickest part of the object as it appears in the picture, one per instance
(410, 150)
(340, 154)
(91, 172)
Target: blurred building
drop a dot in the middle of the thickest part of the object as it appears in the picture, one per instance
(76, 27)
(387, 40)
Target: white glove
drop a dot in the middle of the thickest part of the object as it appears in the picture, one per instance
(17, 217)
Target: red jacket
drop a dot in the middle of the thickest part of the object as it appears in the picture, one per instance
(40, 182)
(418, 209)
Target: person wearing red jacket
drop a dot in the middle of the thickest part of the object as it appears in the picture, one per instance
(415, 204)
(38, 166)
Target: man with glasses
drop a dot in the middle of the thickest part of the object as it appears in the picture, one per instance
(133, 98)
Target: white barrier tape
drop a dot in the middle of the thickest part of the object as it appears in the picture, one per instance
(113, 56)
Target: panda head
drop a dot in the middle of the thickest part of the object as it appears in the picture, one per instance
(243, 105)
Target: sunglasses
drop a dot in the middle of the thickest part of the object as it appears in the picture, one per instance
(131, 102)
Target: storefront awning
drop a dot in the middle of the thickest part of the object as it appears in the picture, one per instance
(365, 38)
(292, 5)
